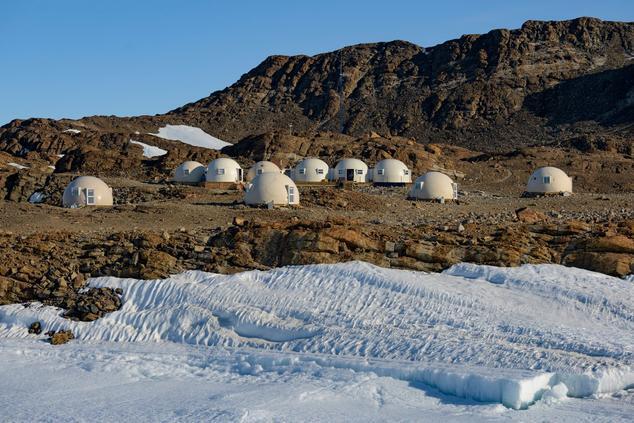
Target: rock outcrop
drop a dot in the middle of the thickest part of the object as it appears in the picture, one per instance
(52, 268)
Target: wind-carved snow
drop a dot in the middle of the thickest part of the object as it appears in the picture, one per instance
(72, 131)
(17, 166)
(506, 335)
(190, 135)
(150, 151)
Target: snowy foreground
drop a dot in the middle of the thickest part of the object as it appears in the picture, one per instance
(335, 342)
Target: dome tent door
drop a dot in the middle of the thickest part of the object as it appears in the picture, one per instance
(349, 174)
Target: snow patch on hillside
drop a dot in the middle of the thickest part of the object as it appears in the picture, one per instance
(72, 131)
(17, 166)
(150, 151)
(190, 135)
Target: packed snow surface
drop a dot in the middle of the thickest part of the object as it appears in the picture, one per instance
(72, 131)
(531, 337)
(190, 135)
(150, 151)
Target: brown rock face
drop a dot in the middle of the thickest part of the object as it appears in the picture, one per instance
(490, 91)
(613, 254)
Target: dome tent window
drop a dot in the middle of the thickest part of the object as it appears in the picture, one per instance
(220, 171)
(547, 179)
(359, 171)
(185, 172)
(318, 171)
(302, 171)
(90, 196)
(381, 171)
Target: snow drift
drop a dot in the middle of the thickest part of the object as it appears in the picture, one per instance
(507, 335)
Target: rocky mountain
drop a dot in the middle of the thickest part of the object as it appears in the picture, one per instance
(541, 83)
(562, 84)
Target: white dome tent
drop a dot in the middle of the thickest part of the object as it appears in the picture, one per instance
(549, 180)
(273, 189)
(434, 186)
(391, 172)
(224, 170)
(353, 170)
(262, 167)
(87, 191)
(310, 170)
(189, 172)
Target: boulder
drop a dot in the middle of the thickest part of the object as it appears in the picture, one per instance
(530, 216)
(60, 337)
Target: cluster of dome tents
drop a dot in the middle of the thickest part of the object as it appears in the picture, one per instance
(266, 184)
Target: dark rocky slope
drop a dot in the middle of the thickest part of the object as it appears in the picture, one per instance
(504, 89)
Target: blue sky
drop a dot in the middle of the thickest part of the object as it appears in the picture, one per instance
(73, 58)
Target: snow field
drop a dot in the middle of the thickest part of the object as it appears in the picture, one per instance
(503, 335)
(190, 135)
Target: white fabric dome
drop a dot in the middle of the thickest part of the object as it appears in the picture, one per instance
(310, 170)
(274, 188)
(224, 170)
(351, 170)
(391, 171)
(262, 167)
(87, 191)
(434, 186)
(189, 172)
(549, 180)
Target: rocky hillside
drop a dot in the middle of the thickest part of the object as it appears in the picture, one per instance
(544, 82)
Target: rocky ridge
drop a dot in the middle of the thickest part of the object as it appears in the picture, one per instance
(52, 268)
(539, 84)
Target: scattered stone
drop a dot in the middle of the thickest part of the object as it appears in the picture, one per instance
(35, 328)
(239, 221)
(60, 337)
